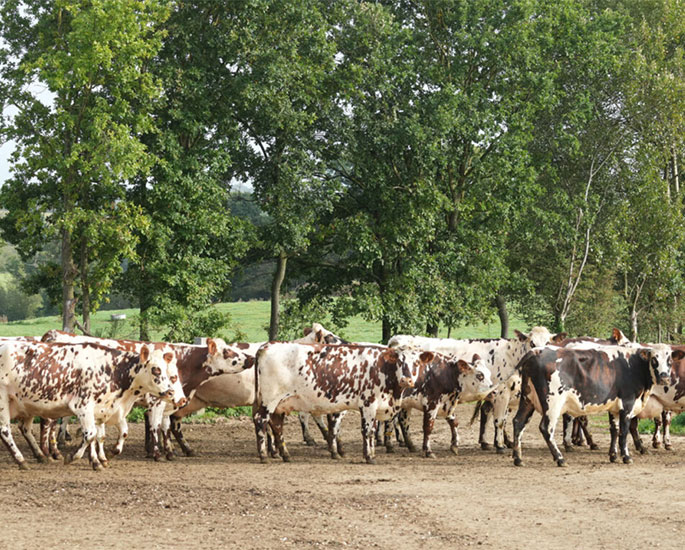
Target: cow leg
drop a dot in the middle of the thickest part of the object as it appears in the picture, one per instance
(304, 424)
(368, 436)
(260, 417)
(568, 426)
(613, 445)
(63, 436)
(428, 423)
(399, 435)
(453, 423)
(523, 416)
(547, 425)
(25, 426)
(637, 440)
(623, 434)
(154, 417)
(666, 419)
(337, 421)
(102, 456)
(319, 421)
(485, 411)
(276, 423)
(403, 421)
(500, 408)
(656, 436)
(387, 435)
(48, 438)
(89, 430)
(123, 434)
(584, 424)
(176, 429)
(332, 432)
(378, 437)
(167, 442)
(148, 435)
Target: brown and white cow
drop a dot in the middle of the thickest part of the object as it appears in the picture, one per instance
(664, 400)
(614, 379)
(501, 356)
(194, 366)
(326, 379)
(442, 383)
(93, 382)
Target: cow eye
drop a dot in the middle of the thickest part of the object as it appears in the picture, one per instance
(655, 362)
(156, 371)
(480, 376)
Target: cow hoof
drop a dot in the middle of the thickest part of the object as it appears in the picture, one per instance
(170, 456)
(561, 463)
(430, 454)
(157, 457)
(68, 458)
(310, 442)
(627, 460)
(390, 450)
(105, 463)
(23, 466)
(412, 448)
(114, 451)
(335, 456)
(568, 448)
(370, 460)
(286, 458)
(454, 449)
(190, 452)
(500, 450)
(341, 452)
(98, 467)
(643, 450)
(613, 458)
(518, 462)
(668, 447)
(42, 459)
(509, 444)
(485, 446)
(656, 444)
(263, 460)
(594, 447)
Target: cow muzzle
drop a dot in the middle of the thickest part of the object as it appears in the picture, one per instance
(664, 379)
(181, 403)
(406, 382)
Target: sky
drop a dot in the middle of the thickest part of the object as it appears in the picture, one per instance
(5, 152)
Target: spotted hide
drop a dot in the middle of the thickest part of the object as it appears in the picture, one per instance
(501, 356)
(195, 366)
(325, 379)
(93, 382)
(614, 379)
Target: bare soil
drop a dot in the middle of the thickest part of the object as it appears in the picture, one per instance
(224, 498)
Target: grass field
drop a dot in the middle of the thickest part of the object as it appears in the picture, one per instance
(249, 318)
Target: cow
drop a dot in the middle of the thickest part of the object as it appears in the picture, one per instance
(663, 400)
(501, 354)
(194, 366)
(326, 379)
(614, 379)
(236, 390)
(93, 382)
(442, 382)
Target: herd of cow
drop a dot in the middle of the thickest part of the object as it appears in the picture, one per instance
(100, 380)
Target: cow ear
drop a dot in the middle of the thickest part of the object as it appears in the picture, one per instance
(319, 337)
(645, 354)
(520, 335)
(211, 346)
(427, 356)
(249, 362)
(559, 337)
(677, 354)
(144, 354)
(616, 335)
(463, 366)
(476, 357)
(306, 331)
(168, 357)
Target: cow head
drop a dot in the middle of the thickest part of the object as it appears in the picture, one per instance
(317, 334)
(223, 358)
(619, 338)
(474, 378)
(658, 357)
(537, 337)
(403, 373)
(155, 376)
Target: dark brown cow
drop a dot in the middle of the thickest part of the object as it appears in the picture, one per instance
(616, 379)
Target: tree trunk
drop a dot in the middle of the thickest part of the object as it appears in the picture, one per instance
(68, 277)
(503, 316)
(432, 329)
(387, 331)
(276, 283)
(85, 289)
(633, 325)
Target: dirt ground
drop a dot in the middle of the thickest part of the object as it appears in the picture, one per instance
(224, 498)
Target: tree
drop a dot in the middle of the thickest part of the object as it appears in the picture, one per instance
(79, 142)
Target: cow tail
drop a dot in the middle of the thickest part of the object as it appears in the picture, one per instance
(257, 397)
(476, 412)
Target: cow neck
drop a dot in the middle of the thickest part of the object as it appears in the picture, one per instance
(190, 362)
(126, 366)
